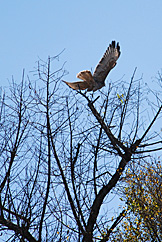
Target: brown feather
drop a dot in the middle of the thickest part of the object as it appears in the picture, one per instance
(85, 76)
(97, 80)
(107, 62)
(77, 85)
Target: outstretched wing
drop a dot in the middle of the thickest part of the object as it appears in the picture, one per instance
(107, 62)
(87, 82)
(85, 76)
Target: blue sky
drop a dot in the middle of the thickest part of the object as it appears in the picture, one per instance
(41, 28)
(84, 28)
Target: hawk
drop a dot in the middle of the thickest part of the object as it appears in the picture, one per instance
(97, 80)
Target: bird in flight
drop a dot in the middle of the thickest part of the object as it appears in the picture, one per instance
(97, 80)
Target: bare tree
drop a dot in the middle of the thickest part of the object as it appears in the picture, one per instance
(61, 158)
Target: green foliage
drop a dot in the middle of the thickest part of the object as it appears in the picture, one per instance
(143, 195)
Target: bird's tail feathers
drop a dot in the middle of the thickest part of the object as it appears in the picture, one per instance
(77, 85)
